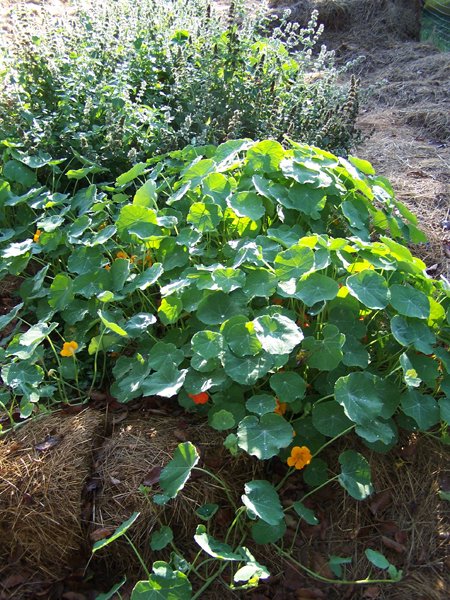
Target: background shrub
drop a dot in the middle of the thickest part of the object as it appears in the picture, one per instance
(122, 80)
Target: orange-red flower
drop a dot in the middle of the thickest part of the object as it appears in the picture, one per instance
(280, 408)
(201, 398)
(69, 349)
(300, 457)
(277, 301)
(37, 235)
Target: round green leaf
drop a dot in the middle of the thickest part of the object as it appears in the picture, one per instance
(288, 386)
(359, 395)
(207, 511)
(247, 204)
(262, 499)
(329, 418)
(422, 408)
(241, 337)
(325, 354)
(213, 547)
(261, 404)
(247, 369)
(370, 288)
(377, 559)
(178, 470)
(163, 584)
(355, 476)
(263, 533)
(413, 332)
(410, 302)
(293, 263)
(316, 288)
(316, 473)
(222, 420)
(204, 217)
(278, 334)
(161, 538)
(209, 344)
(264, 437)
(217, 307)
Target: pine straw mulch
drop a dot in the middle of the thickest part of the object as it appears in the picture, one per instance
(43, 469)
(133, 456)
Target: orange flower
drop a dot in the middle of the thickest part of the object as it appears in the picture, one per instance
(280, 408)
(107, 267)
(121, 254)
(37, 235)
(148, 260)
(101, 226)
(300, 457)
(201, 398)
(69, 349)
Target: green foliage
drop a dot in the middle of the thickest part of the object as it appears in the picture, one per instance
(121, 81)
(287, 322)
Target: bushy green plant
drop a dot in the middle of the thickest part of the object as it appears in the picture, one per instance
(120, 81)
(267, 290)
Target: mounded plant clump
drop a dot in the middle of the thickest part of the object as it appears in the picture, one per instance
(267, 289)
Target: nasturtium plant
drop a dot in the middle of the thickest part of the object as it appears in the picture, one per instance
(268, 290)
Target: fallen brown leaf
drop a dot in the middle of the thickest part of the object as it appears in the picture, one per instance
(393, 545)
(372, 592)
(13, 581)
(152, 476)
(380, 502)
(101, 533)
(50, 442)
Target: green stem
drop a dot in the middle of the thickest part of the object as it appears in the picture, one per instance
(139, 557)
(326, 579)
(221, 483)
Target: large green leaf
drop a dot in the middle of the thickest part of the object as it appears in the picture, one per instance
(422, 408)
(262, 499)
(20, 173)
(294, 262)
(278, 334)
(329, 418)
(166, 382)
(204, 217)
(241, 337)
(325, 354)
(263, 533)
(247, 204)
(316, 288)
(178, 470)
(410, 302)
(217, 307)
(413, 332)
(111, 325)
(360, 396)
(288, 386)
(208, 344)
(264, 157)
(163, 584)
(261, 404)
(61, 292)
(139, 219)
(264, 437)
(355, 475)
(370, 288)
(246, 369)
(136, 171)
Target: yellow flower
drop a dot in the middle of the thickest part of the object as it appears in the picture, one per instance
(300, 457)
(280, 408)
(37, 235)
(69, 349)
